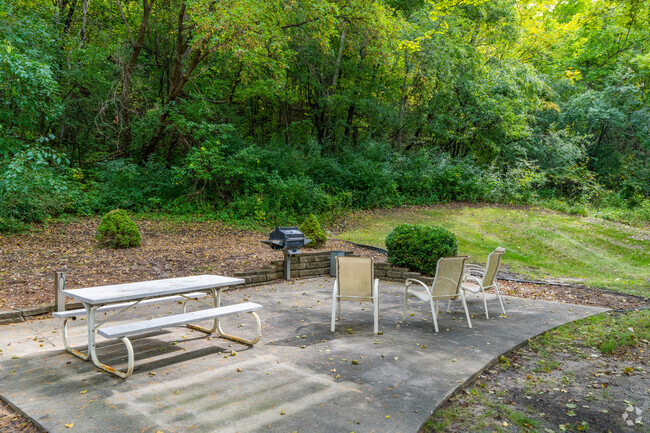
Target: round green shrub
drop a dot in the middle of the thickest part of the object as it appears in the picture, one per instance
(117, 230)
(420, 247)
(312, 230)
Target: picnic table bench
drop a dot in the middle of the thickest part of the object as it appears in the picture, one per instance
(122, 297)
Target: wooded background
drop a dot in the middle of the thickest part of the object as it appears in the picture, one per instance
(266, 111)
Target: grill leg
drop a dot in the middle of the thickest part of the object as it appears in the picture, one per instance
(287, 266)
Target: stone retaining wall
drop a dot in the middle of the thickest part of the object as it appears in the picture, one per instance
(304, 265)
(311, 265)
(18, 315)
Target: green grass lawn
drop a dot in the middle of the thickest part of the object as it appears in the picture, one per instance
(540, 244)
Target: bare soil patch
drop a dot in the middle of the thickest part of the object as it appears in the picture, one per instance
(575, 389)
(13, 422)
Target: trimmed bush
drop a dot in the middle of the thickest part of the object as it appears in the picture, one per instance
(419, 247)
(312, 230)
(117, 230)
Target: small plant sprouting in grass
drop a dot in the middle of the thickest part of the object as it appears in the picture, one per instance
(519, 418)
(547, 365)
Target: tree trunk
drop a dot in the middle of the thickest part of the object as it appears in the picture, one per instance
(128, 67)
(178, 80)
(399, 137)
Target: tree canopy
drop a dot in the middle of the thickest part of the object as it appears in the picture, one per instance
(277, 109)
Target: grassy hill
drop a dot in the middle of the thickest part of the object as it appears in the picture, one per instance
(540, 244)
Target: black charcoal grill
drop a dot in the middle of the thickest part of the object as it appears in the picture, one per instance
(289, 240)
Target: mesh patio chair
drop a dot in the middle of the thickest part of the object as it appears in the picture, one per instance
(450, 272)
(355, 281)
(478, 279)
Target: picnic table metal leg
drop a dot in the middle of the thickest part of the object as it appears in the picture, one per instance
(75, 352)
(201, 328)
(216, 296)
(92, 349)
(258, 326)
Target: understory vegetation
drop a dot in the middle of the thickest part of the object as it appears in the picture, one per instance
(266, 112)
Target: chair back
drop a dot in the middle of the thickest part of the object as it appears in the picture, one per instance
(449, 276)
(492, 266)
(355, 276)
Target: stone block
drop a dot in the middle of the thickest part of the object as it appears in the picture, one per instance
(411, 275)
(298, 266)
(317, 265)
(245, 274)
(383, 266)
(379, 273)
(13, 320)
(397, 269)
(309, 254)
(257, 278)
(10, 314)
(314, 272)
(394, 274)
(36, 311)
(274, 276)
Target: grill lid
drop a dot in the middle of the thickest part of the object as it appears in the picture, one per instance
(287, 238)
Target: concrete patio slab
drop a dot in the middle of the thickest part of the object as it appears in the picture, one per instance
(300, 377)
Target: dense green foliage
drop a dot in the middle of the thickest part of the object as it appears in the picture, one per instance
(117, 230)
(312, 230)
(269, 111)
(419, 247)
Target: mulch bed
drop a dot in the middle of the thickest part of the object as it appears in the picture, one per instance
(169, 249)
(172, 249)
(574, 295)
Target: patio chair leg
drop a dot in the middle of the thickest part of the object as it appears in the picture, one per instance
(485, 303)
(496, 288)
(406, 299)
(375, 301)
(469, 321)
(335, 304)
(448, 305)
(434, 314)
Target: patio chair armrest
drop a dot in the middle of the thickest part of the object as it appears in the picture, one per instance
(411, 281)
(474, 279)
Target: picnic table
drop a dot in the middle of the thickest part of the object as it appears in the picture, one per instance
(122, 297)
